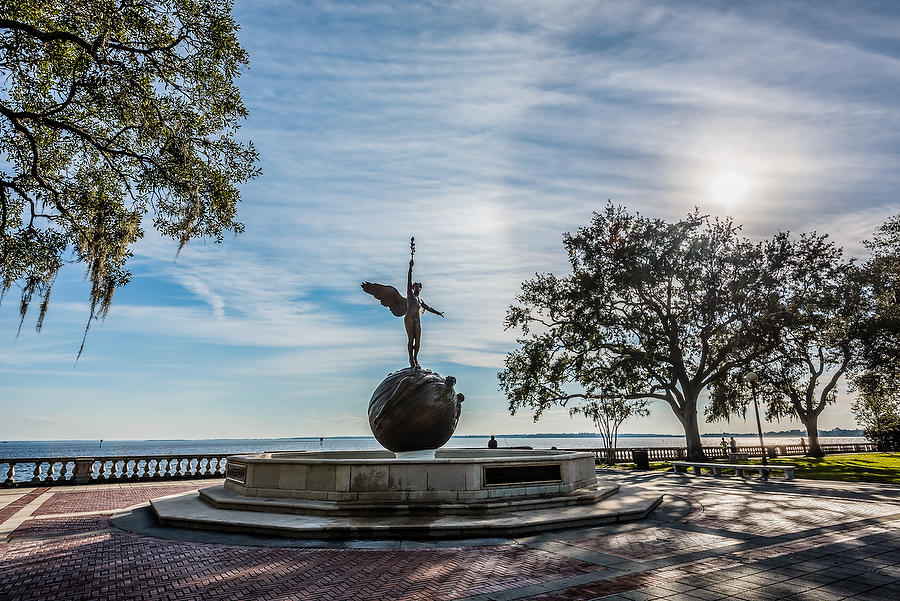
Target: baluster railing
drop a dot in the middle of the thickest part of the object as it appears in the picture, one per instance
(81, 470)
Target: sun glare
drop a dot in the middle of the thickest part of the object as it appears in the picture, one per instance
(728, 188)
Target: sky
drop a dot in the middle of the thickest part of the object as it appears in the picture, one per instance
(485, 130)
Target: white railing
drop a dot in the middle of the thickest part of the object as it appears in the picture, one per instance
(46, 471)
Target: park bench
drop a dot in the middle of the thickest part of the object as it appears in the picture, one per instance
(739, 468)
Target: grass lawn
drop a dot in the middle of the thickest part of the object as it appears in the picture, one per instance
(852, 467)
(655, 466)
(855, 467)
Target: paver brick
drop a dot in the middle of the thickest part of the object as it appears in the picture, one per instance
(10, 510)
(108, 499)
(61, 526)
(652, 543)
(154, 569)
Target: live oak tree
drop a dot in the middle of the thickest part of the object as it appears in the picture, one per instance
(111, 111)
(825, 301)
(650, 310)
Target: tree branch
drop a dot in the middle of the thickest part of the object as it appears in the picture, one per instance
(48, 36)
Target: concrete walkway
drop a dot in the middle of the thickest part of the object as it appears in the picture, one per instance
(710, 539)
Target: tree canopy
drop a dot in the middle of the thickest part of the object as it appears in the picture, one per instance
(825, 301)
(877, 409)
(111, 111)
(881, 336)
(650, 310)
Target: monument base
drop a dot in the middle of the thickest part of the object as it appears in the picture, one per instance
(459, 493)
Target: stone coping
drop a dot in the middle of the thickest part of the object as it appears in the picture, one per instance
(379, 457)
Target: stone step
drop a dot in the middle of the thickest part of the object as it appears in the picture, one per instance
(223, 498)
(189, 511)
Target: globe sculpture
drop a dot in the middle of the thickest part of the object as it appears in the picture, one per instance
(413, 409)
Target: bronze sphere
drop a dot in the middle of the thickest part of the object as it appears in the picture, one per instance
(414, 409)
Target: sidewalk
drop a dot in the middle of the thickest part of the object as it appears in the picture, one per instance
(711, 539)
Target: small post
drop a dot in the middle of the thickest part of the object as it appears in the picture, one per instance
(82, 472)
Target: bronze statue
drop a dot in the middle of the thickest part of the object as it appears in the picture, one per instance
(411, 308)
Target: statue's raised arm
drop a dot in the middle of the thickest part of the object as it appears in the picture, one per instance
(412, 254)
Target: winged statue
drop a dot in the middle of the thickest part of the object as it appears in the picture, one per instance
(409, 307)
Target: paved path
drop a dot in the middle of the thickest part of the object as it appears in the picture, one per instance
(711, 539)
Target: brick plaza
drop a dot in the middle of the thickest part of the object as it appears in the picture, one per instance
(710, 539)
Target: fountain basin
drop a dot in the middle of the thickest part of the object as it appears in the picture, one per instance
(452, 476)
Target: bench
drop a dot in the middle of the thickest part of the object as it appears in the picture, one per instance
(739, 468)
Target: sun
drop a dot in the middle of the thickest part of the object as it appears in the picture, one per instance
(728, 188)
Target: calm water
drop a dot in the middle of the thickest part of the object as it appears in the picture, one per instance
(92, 448)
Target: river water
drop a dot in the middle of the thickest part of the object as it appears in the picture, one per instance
(93, 448)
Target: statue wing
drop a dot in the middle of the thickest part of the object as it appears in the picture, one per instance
(389, 296)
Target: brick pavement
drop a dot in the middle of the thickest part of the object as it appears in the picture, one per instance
(21, 501)
(60, 526)
(711, 539)
(652, 542)
(118, 565)
(103, 499)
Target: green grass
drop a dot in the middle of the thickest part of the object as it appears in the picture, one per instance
(655, 466)
(852, 467)
(855, 467)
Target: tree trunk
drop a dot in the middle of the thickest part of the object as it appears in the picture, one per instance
(692, 432)
(811, 421)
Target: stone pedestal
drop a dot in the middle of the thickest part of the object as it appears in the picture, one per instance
(82, 472)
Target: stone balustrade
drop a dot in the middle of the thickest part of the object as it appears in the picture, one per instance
(46, 471)
(680, 453)
(87, 470)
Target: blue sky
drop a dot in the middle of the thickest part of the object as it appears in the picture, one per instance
(486, 130)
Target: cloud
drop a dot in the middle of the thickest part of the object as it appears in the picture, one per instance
(216, 302)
